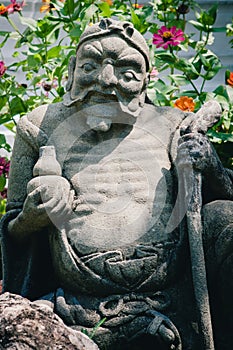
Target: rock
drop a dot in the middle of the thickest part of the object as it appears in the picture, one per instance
(26, 325)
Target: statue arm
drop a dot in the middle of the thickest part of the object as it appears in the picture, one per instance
(42, 199)
(24, 157)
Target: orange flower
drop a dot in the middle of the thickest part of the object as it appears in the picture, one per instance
(137, 6)
(185, 103)
(230, 79)
(47, 7)
(109, 2)
(3, 9)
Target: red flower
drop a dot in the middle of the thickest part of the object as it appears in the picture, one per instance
(230, 79)
(166, 37)
(15, 7)
(2, 68)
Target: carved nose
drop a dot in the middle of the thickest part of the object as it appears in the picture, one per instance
(107, 76)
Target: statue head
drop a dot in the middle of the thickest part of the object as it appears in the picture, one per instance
(111, 65)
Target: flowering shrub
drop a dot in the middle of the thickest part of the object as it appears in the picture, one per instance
(43, 48)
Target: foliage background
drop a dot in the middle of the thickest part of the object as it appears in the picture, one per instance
(43, 48)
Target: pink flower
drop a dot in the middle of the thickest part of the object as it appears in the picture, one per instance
(166, 37)
(2, 68)
(154, 74)
(4, 166)
(15, 6)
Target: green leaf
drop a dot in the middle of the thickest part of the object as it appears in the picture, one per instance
(3, 33)
(179, 79)
(223, 101)
(96, 327)
(230, 93)
(3, 102)
(76, 32)
(69, 7)
(221, 135)
(135, 19)
(3, 206)
(213, 14)
(197, 25)
(2, 140)
(17, 106)
(187, 67)
(10, 126)
(5, 40)
(219, 29)
(54, 52)
(34, 62)
(29, 22)
(166, 57)
(2, 182)
(105, 8)
(4, 144)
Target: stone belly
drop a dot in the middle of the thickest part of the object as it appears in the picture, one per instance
(116, 240)
(120, 198)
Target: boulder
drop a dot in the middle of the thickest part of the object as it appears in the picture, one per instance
(27, 325)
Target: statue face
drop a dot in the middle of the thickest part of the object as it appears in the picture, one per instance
(109, 70)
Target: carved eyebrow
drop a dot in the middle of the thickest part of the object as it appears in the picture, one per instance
(93, 50)
(129, 61)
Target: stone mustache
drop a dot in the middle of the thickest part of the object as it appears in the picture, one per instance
(96, 220)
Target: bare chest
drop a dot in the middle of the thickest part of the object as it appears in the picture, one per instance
(120, 186)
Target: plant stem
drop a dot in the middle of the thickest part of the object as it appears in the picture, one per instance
(193, 85)
(14, 26)
(202, 86)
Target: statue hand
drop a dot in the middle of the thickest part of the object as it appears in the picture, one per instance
(194, 150)
(48, 202)
(49, 199)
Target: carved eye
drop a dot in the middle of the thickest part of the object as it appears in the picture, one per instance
(88, 67)
(128, 76)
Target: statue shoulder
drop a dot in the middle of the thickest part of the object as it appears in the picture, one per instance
(35, 127)
(166, 122)
(170, 117)
(46, 113)
(174, 115)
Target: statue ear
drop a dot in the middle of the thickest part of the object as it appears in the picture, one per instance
(71, 69)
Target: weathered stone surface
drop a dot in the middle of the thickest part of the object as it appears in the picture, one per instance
(107, 198)
(25, 325)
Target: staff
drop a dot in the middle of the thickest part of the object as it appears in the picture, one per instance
(207, 116)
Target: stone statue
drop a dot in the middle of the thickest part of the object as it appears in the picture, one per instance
(96, 217)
